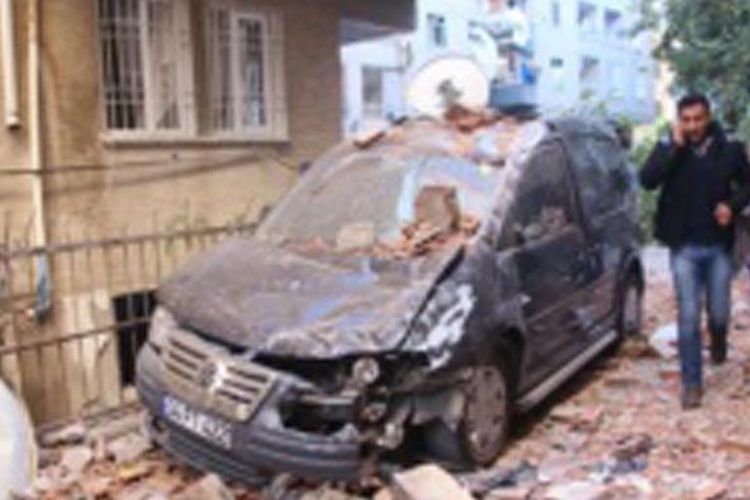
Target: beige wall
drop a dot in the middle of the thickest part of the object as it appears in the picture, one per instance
(141, 189)
(186, 183)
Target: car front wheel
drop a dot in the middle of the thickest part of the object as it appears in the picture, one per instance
(481, 434)
(631, 309)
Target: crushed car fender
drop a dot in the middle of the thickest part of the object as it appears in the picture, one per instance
(442, 324)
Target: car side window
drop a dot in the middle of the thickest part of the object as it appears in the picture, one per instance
(543, 205)
(601, 172)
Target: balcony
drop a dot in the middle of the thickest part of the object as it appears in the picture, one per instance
(514, 98)
(367, 20)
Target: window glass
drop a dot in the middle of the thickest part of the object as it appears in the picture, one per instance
(378, 189)
(601, 173)
(250, 67)
(237, 44)
(372, 91)
(244, 69)
(437, 30)
(543, 204)
(142, 63)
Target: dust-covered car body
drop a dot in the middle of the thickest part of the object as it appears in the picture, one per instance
(340, 328)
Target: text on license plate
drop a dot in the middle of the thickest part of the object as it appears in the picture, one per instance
(206, 426)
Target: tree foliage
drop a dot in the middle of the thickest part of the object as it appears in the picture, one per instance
(707, 43)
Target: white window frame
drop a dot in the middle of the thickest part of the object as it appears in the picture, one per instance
(276, 127)
(185, 89)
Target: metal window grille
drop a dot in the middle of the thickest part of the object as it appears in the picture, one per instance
(242, 81)
(143, 59)
(251, 71)
(78, 359)
(221, 72)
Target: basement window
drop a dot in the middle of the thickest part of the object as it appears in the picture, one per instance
(132, 318)
(146, 64)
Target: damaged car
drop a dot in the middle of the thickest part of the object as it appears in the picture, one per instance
(424, 284)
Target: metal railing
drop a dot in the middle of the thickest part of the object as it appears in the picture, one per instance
(73, 315)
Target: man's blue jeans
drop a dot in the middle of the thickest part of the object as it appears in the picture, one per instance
(696, 270)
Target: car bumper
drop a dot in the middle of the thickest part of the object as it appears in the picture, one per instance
(259, 445)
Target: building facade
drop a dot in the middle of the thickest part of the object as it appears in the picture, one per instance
(586, 53)
(548, 55)
(376, 73)
(189, 107)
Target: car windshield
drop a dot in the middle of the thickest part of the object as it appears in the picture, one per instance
(364, 198)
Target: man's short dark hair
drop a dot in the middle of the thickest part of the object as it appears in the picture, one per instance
(691, 100)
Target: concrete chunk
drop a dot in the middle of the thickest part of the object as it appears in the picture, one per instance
(428, 482)
(211, 487)
(74, 460)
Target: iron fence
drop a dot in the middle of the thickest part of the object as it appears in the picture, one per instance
(73, 315)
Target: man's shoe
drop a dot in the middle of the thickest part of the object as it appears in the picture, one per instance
(691, 398)
(718, 350)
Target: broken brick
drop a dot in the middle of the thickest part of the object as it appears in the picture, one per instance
(428, 482)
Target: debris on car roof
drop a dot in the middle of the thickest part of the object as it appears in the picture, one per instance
(482, 136)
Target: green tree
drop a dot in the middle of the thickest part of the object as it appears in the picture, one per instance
(648, 138)
(707, 44)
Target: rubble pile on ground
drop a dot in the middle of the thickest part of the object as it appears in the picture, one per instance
(615, 432)
(115, 459)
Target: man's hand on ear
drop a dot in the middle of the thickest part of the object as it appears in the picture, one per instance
(723, 214)
(678, 135)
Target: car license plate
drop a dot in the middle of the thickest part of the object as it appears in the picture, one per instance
(206, 426)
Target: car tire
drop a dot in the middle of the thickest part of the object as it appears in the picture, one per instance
(482, 432)
(630, 313)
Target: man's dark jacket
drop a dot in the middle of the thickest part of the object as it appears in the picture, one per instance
(674, 167)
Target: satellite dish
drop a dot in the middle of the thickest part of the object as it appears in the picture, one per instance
(447, 82)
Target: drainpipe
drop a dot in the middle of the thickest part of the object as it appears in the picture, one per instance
(36, 159)
(10, 70)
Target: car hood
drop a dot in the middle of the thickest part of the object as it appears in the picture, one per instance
(274, 301)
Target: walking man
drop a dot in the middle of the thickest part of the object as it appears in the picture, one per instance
(705, 182)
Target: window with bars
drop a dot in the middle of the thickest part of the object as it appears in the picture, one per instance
(245, 71)
(145, 65)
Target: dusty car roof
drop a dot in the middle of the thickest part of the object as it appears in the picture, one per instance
(489, 140)
(574, 125)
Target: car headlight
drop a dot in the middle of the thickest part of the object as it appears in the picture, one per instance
(162, 323)
(366, 370)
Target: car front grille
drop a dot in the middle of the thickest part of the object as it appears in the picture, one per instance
(207, 375)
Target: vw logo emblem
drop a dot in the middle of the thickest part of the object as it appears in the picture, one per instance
(207, 375)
